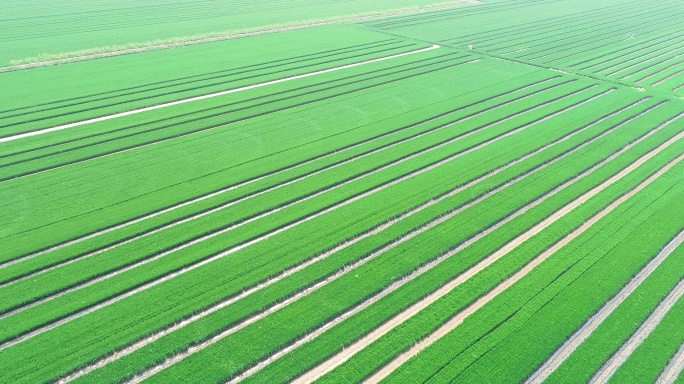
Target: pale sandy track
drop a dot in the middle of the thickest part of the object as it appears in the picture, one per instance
(657, 83)
(673, 368)
(209, 96)
(245, 198)
(144, 342)
(393, 287)
(236, 186)
(411, 311)
(461, 316)
(645, 329)
(261, 238)
(549, 366)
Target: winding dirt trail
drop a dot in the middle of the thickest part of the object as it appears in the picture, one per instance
(550, 366)
(146, 341)
(411, 311)
(609, 367)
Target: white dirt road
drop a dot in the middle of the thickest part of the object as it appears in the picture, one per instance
(411, 311)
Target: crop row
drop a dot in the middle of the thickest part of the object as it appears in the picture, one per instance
(203, 280)
(410, 137)
(556, 291)
(366, 361)
(242, 225)
(159, 126)
(220, 169)
(400, 261)
(33, 120)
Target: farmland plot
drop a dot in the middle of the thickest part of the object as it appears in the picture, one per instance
(349, 203)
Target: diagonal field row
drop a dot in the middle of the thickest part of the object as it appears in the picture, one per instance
(537, 114)
(230, 227)
(371, 202)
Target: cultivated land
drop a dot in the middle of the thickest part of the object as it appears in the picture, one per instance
(342, 191)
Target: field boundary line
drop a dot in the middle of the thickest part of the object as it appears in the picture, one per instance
(574, 341)
(378, 229)
(212, 95)
(261, 192)
(616, 360)
(673, 368)
(232, 35)
(260, 238)
(393, 287)
(414, 309)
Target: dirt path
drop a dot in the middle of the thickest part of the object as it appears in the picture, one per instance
(263, 237)
(209, 96)
(626, 350)
(588, 328)
(345, 245)
(411, 311)
(231, 35)
(673, 368)
(427, 267)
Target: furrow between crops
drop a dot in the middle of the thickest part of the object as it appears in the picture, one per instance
(357, 264)
(484, 300)
(657, 83)
(399, 319)
(204, 97)
(652, 75)
(253, 180)
(256, 240)
(550, 366)
(393, 287)
(673, 368)
(256, 194)
(642, 62)
(615, 361)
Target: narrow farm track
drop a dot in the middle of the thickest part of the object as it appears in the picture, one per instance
(463, 315)
(673, 369)
(609, 367)
(322, 329)
(350, 268)
(587, 328)
(249, 196)
(411, 311)
(204, 97)
(258, 239)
